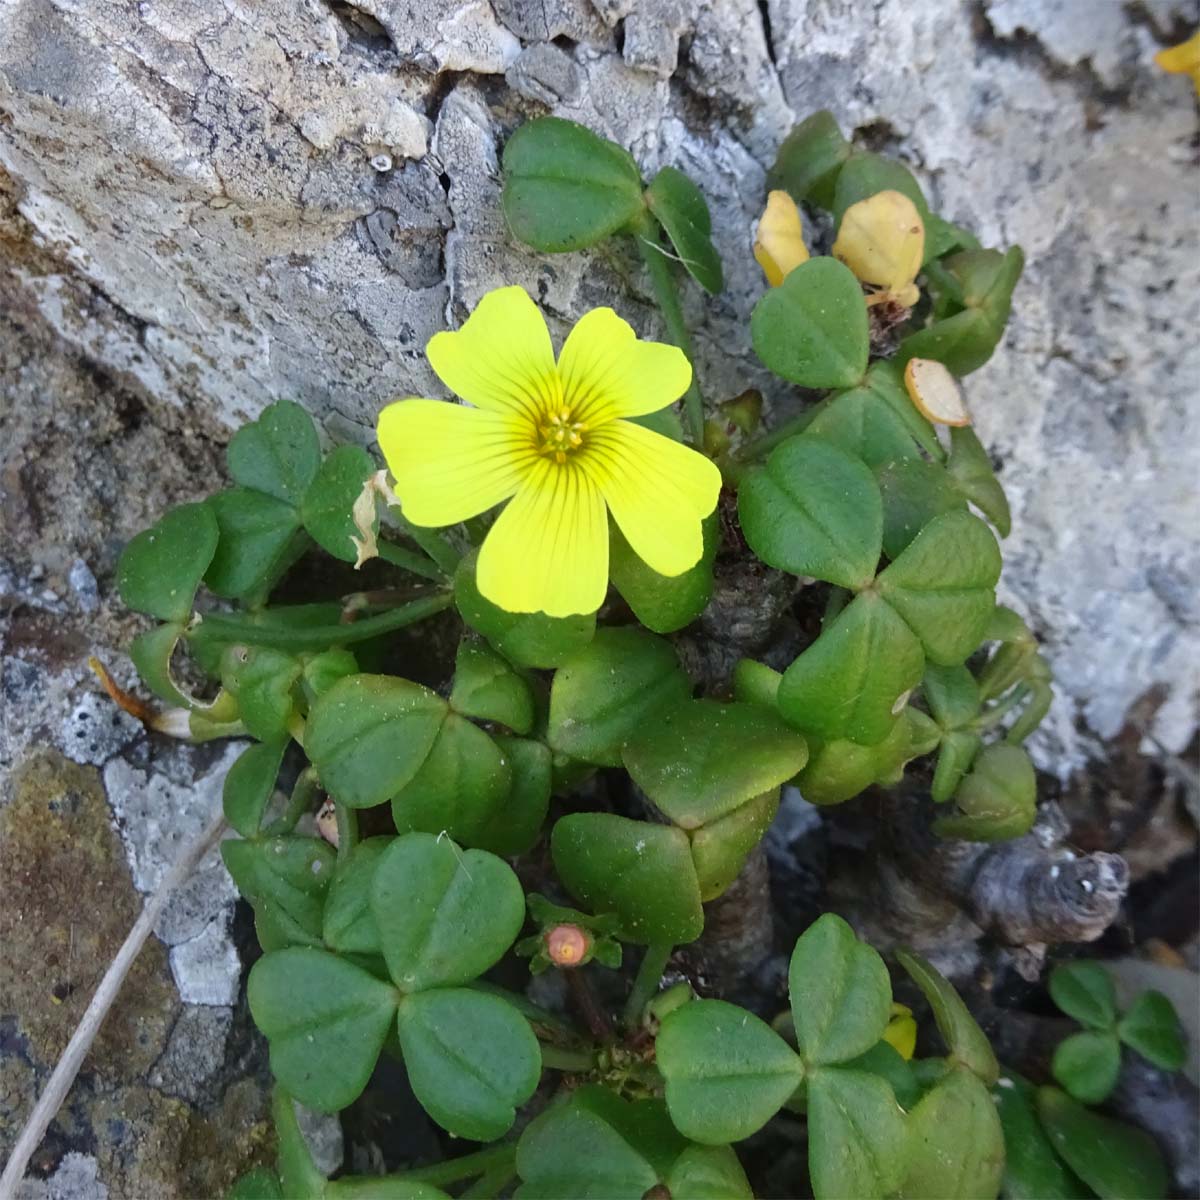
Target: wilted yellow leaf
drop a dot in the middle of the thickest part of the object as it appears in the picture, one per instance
(935, 392)
(779, 244)
(882, 240)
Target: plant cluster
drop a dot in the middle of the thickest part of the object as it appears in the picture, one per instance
(379, 938)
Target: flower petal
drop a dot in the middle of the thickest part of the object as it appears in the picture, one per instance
(882, 240)
(607, 372)
(501, 359)
(657, 490)
(548, 550)
(451, 462)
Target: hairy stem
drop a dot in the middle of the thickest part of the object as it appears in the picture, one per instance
(318, 637)
(557, 1058)
(347, 829)
(663, 282)
(410, 560)
(432, 542)
(454, 1169)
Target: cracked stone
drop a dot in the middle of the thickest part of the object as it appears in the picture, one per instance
(96, 730)
(206, 968)
(547, 74)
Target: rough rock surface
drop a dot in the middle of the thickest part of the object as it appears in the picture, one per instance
(205, 207)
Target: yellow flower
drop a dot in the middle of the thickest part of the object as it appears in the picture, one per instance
(1183, 59)
(882, 240)
(554, 439)
(779, 243)
(901, 1031)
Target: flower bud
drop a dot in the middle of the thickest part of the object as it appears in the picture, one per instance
(779, 243)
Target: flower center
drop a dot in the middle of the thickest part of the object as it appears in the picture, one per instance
(560, 435)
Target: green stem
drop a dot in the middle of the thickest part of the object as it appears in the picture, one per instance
(347, 829)
(491, 1183)
(993, 716)
(410, 560)
(432, 542)
(663, 282)
(646, 982)
(557, 1058)
(303, 796)
(319, 637)
(454, 1169)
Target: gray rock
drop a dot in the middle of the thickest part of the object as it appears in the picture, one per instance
(206, 967)
(195, 1052)
(75, 1179)
(545, 73)
(96, 730)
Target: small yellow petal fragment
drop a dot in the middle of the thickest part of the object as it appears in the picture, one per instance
(779, 243)
(901, 1032)
(882, 240)
(1183, 59)
(935, 392)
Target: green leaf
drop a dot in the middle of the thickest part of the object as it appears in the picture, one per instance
(325, 1020)
(814, 510)
(488, 689)
(445, 915)
(596, 1146)
(285, 879)
(1115, 1160)
(942, 236)
(259, 1184)
(857, 1140)
(865, 174)
(965, 1041)
(1084, 990)
(299, 1177)
(812, 330)
(515, 824)
(987, 279)
(381, 1187)
(322, 671)
(1087, 1064)
(608, 690)
(526, 639)
(663, 603)
(250, 784)
(278, 454)
(349, 924)
(682, 211)
(875, 421)
(565, 188)
(1032, 1171)
(262, 680)
(161, 568)
(260, 538)
(1152, 1028)
(720, 849)
(461, 786)
(838, 770)
(809, 160)
(327, 508)
(943, 585)
(952, 695)
(840, 992)
(369, 734)
(996, 801)
(708, 1173)
(963, 342)
(854, 679)
(914, 492)
(701, 760)
(641, 872)
(957, 753)
(884, 1060)
(472, 1059)
(971, 473)
(957, 1142)
(727, 1072)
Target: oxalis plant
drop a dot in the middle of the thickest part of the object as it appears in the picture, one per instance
(571, 793)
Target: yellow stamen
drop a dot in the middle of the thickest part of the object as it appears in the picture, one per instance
(561, 435)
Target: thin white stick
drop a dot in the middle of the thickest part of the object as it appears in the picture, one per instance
(52, 1098)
